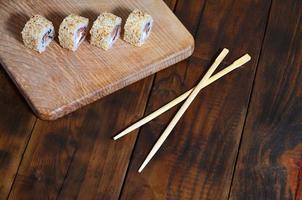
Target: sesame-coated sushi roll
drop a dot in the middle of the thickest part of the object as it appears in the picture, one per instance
(138, 27)
(37, 33)
(105, 30)
(73, 31)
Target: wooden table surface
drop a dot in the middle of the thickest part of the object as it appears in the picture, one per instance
(240, 139)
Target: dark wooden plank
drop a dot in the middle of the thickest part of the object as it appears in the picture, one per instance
(197, 160)
(270, 158)
(81, 145)
(75, 157)
(16, 123)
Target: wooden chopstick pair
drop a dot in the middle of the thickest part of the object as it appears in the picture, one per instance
(189, 96)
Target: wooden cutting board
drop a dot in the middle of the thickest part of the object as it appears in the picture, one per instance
(59, 81)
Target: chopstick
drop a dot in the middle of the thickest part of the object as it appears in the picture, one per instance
(184, 107)
(174, 102)
(241, 61)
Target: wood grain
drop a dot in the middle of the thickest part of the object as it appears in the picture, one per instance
(197, 162)
(270, 163)
(59, 81)
(16, 123)
(75, 156)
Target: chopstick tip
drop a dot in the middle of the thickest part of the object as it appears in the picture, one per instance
(140, 169)
(242, 60)
(221, 56)
(143, 165)
(247, 57)
(226, 50)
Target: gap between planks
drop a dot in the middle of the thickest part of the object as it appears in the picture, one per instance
(27, 142)
(249, 101)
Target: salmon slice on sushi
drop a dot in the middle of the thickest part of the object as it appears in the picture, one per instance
(105, 30)
(72, 31)
(138, 27)
(38, 33)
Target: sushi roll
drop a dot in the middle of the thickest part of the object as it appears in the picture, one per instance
(138, 27)
(73, 31)
(37, 33)
(105, 30)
